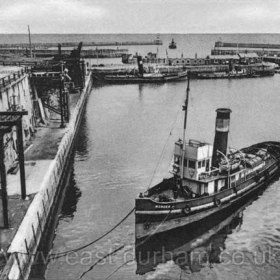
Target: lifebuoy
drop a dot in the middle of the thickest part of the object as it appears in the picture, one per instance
(187, 210)
(218, 202)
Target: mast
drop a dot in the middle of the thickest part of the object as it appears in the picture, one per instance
(30, 46)
(185, 108)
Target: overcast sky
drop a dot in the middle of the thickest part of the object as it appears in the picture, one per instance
(140, 16)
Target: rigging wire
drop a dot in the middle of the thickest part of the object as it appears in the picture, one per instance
(139, 244)
(164, 147)
(159, 160)
(57, 255)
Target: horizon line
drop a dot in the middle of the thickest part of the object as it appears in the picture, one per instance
(147, 33)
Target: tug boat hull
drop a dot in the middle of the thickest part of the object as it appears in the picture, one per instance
(154, 217)
(136, 79)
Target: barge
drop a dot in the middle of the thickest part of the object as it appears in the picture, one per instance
(205, 181)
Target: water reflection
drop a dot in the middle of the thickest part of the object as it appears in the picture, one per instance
(140, 87)
(81, 142)
(191, 248)
(73, 194)
(195, 246)
(66, 206)
(64, 209)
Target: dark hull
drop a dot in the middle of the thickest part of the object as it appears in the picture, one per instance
(226, 76)
(170, 245)
(139, 79)
(155, 217)
(234, 76)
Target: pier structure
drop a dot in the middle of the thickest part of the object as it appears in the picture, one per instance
(49, 100)
(47, 53)
(229, 48)
(87, 44)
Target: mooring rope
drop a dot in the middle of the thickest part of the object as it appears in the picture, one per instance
(97, 262)
(61, 254)
(57, 255)
(139, 244)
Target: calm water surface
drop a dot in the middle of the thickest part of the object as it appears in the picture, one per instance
(125, 131)
(126, 143)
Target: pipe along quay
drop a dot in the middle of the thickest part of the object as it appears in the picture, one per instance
(41, 107)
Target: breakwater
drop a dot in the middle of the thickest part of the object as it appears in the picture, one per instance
(24, 245)
(88, 44)
(224, 48)
(91, 53)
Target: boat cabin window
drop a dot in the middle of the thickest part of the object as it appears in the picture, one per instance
(207, 164)
(216, 186)
(203, 188)
(192, 164)
(232, 178)
(199, 164)
(203, 163)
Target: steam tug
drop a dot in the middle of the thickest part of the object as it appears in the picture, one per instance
(205, 180)
(142, 77)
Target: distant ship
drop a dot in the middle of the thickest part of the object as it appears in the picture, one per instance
(206, 180)
(172, 45)
(227, 75)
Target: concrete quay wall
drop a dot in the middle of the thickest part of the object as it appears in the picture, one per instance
(24, 246)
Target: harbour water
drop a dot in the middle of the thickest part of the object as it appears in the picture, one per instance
(125, 145)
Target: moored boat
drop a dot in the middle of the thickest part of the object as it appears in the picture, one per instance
(205, 180)
(172, 45)
(145, 78)
(183, 243)
(234, 74)
(153, 77)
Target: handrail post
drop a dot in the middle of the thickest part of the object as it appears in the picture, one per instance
(3, 182)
